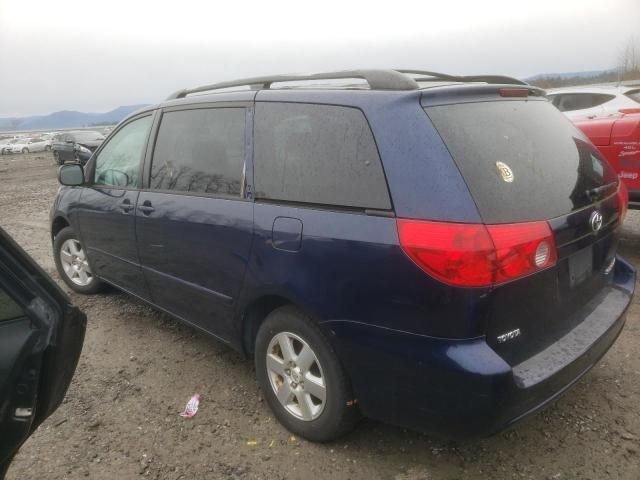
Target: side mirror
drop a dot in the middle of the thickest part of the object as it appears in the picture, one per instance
(71, 175)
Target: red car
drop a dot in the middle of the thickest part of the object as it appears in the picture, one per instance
(618, 139)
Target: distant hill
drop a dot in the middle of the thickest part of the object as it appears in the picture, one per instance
(552, 80)
(66, 119)
(568, 75)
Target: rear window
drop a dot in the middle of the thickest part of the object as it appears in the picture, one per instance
(318, 154)
(522, 160)
(568, 102)
(634, 95)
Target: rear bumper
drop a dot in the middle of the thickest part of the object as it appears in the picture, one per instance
(462, 387)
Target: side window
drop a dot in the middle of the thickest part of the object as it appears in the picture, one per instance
(200, 151)
(118, 164)
(318, 154)
(8, 308)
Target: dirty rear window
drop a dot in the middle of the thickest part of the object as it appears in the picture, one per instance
(522, 160)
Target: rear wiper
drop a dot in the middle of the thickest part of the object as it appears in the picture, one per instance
(593, 193)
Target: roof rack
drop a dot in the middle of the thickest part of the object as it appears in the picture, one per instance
(377, 80)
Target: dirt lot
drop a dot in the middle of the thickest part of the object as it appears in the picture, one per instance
(139, 367)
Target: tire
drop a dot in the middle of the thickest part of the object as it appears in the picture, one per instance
(47, 148)
(25, 150)
(72, 264)
(319, 421)
(56, 157)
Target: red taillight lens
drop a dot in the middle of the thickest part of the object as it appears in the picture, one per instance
(623, 200)
(475, 255)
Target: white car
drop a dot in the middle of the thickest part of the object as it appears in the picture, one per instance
(27, 145)
(594, 102)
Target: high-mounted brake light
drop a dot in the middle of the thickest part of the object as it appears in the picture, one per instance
(623, 200)
(514, 92)
(477, 255)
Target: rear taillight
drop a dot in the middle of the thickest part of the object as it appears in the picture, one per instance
(623, 200)
(476, 255)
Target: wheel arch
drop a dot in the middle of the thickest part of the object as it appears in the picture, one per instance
(259, 307)
(59, 223)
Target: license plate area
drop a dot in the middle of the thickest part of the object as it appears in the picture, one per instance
(580, 266)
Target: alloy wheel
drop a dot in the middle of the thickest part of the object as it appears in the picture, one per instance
(295, 374)
(74, 263)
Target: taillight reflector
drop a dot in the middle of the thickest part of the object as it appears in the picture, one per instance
(476, 255)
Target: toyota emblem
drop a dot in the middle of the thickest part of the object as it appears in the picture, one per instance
(595, 221)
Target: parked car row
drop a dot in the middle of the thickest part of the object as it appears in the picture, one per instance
(25, 145)
(74, 146)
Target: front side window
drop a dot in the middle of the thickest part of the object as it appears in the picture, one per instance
(118, 163)
(319, 154)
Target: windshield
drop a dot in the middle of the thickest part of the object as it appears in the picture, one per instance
(87, 137)
(522, 160)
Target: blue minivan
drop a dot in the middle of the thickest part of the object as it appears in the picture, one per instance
(433, 251)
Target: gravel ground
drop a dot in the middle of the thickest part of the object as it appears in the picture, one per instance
(139, 367)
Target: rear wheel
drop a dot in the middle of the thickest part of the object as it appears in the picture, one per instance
(301, 377)
(72, 263)
(25, 150)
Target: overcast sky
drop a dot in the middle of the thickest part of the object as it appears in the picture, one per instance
(96, 55)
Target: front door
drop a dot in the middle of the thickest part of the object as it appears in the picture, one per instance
(106, 211)
(194, 224)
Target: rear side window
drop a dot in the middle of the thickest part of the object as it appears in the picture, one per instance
(568, 102)
(634, 95)
(319, 154)
(200, 151)
(522, 160)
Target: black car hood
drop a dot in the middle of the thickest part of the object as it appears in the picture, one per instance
(91, 143)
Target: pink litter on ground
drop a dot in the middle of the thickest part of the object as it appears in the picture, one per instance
(192, 406)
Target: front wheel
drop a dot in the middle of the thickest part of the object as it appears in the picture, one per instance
(301, 377)
(25, 150)
(72, 263)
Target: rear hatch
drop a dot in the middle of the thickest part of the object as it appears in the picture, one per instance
(523, 161)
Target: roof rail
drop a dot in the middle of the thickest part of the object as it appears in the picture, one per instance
(377, 80)
(435, 76)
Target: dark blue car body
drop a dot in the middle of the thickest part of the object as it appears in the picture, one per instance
(419, 352)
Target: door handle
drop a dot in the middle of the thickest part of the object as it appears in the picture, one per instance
(146, 207)
(126, 205)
